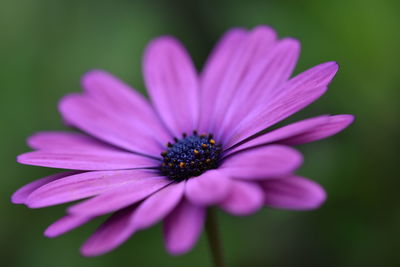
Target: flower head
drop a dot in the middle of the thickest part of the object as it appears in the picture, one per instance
(200, 141)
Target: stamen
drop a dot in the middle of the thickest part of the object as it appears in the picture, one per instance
(190, 156)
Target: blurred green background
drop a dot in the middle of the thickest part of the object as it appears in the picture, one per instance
(46, 46)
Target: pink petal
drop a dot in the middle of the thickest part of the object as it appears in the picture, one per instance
(182, 227)
(119, 98)
(89, 115)
(278, 67)
(65, 224)
(116, 230)
(214, 71)
(86, 160)
(332, 126)
(157, 206)
(172, 83)
(279, 134)
(21, 195)
(260, 85)
(304, 131)
(295, 95)
(293, 193)
(84, 185)
(262, 163)
(119, 198)
(79, 151)
(245, 198)
(67, 141)
(247, 53)
(209, 188)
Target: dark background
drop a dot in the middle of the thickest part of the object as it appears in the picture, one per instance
(46, 46)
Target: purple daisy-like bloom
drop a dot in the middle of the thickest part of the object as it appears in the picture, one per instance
(197, 144)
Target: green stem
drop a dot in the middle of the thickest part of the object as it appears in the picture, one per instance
(214, 241)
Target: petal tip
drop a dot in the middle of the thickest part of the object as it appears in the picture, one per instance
(346, 118)
(49, 232)
(22, 159)
(65, 102)
(176, 251)
(265, 30)
(87, 252)
(320, 197)
(31, 140)
(92, 76)
(332, 66)
(290, 41)
(162, 42)
(341, 122)
(16, 198)
(32, 204)
(298, 159)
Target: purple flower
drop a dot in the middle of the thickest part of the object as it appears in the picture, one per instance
(199, 143)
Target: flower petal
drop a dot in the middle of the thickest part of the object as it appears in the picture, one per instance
(172, 83)
(65, 224)
(294, 95)
(21, 195)
(119, 98)
(119, 198)
(207, 189)
(78, 151)
(332, 126)
(67, 141)
(116, 230)
(89, 115)
(89, 160)
(215, 71)
(246, 53)
(300, 132)
(262, 163)
(293, 193)
(83, 185)
(245, 198)
(158, 205)
(182, 227)
(261, 85)
(279, 134)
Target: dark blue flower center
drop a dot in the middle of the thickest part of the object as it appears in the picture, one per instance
(190, 156)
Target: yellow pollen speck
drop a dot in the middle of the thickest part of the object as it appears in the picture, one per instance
(196, 152)
(182, 164)
(212, 141)
(204, 146)
(208, 160)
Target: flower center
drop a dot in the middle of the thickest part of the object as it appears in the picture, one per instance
(190, 156)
